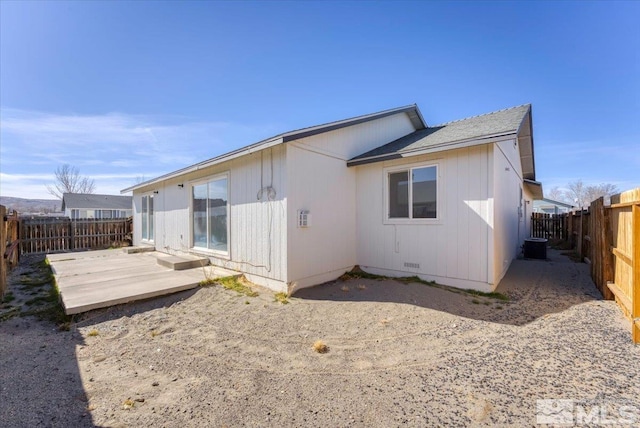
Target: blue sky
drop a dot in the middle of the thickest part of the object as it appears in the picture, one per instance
(136, 89)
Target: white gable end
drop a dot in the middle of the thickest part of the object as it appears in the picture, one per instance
(348, 142)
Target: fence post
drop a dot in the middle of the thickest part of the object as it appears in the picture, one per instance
(570, 228)
(605, 252)
(70, 234)
(579, 241)
(3, 244)
(593, 267)
(16, 235)
(635, 274)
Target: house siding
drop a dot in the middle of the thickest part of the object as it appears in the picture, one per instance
(98, 213)
(511, 152)
(528, 209)
(321, 183)
(325, 187)
(453, 250)
(510, 226)
(257, 228)
(549, 207)
(478, 231)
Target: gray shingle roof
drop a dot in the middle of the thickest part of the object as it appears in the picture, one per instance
(92, 201)
(498, 123)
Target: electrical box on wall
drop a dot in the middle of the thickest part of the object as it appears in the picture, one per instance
(304, 218)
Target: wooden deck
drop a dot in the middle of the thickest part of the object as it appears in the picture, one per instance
(97, 279)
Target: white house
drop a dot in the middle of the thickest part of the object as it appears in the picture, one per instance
(91, 205)
(550, 206)
(385, 191)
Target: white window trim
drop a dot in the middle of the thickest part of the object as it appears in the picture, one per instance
(208, 251)
(146, 240)
(408, 168)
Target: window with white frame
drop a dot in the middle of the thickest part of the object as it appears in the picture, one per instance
(210, 211)
(412, 193)
(147, 217)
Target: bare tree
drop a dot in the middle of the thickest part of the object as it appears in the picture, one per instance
(68, 180)
(581, 195)
(576, 193)
(599, 190)
(556, 194)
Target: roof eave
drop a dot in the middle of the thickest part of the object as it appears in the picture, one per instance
(535, 187)
(452, 145)
(413, 112)
(208, 163)
(419, 118)
(527, 120)
(416, 119)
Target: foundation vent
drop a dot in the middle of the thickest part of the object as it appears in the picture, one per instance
(412, 265)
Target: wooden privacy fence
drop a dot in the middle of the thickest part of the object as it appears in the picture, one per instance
(572, 227)
(620, 252)
(57, 234)
(607, 237)
(3, 248)
(549, 226)
(579, 227)
(8, 246)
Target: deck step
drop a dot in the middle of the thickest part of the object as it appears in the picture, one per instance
(136, 250)
(181, 262)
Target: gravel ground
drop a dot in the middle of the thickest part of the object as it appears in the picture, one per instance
(399, 354)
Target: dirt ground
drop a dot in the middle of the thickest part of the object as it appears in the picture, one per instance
(398, 354)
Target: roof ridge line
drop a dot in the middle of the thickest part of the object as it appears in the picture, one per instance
(321, 125)
(480, 115)
(285, 137)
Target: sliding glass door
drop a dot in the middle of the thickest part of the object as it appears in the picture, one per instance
(210, 211)
(147, 218)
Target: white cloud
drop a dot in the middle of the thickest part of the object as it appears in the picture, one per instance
(112, 148)
(17, 178)
(92, 140)
(34, 186)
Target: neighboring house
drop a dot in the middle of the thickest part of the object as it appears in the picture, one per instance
(449, 203)
(549, 206)
(41, 214)
(84, 205)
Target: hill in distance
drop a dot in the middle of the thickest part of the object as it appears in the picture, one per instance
(22, 205)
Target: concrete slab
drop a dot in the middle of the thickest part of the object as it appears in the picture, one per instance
(97, 279)
(82, 255)
(181, 262)
(141, 249)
